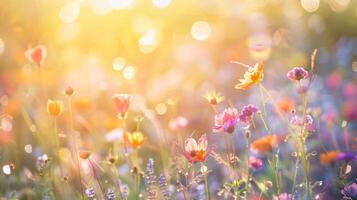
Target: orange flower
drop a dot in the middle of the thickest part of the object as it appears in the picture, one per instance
(135, 139)
(286, 105)
(84, 154)
(328, 157)
(265, 144)
(36, 54)
(253, 76)
(54, 107)
(196, 151)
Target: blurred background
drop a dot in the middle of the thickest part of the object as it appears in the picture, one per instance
(169, 53)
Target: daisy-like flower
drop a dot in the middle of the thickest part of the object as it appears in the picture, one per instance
(265, 144)
(122, 103)
(54, 107)
(298, 121)
(297, 73)
(36, 55)
(214, 98)
(226, 121)
(196, 151)
(247, 113)
(329, 157)
(252, 76)
(135, 139)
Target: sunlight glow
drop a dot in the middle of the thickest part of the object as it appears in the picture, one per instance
(310, 5)
(129, 72)
(161, 3)
(201, 30)
(118, 63)
(69, 12)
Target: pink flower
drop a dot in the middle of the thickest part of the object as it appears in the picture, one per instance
(255, 163)
(298, 121)
(122, 102)
(247, 113)
(36, 55)
(178, 123)
(297, 73)
(226, 121)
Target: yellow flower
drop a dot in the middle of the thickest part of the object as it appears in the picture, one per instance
(253, 76)
(214, 98)
(135, 139)
(54, 107)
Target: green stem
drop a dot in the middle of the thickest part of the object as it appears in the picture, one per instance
(206, 185)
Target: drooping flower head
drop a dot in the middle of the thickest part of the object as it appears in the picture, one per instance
(265, 144)
(122, 103)
(226, 121)
(252, 76)
(247, 113)
(214, 98)
(297, 73)
(36, 55)
(135, 139)
(54, 107)
(350, 191)
(196, 151)
(329, 157)
(298, 121)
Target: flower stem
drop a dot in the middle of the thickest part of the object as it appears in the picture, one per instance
(206, 185)
(96, 176)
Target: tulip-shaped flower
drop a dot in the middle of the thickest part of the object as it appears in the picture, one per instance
(122, 103)
(54, 107)
(226, 121)
(135, 139)
(196, 151)
(36, 55)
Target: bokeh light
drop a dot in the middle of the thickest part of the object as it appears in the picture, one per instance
(2, 46)
(118, 63)
(129, 72)
(201, 30)
(310, 5)
(161, 3)
(161, 108)
(69, 12)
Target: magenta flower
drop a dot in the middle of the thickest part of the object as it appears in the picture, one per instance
(226, 121)
(297, 73)
(255, 163)
(298, 121)
(247, 113)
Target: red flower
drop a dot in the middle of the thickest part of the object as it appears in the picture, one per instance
(196, 151)
(36, 55)
(122, 102)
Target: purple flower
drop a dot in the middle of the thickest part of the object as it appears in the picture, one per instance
(298, 121)
(111, 194)
(349, 192)
(90, 192)
(226, 121)
(247, 113)
(297, 73)
(150, 180)
(346, 156)
(283, 196)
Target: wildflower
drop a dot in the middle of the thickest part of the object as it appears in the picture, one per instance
(135, 139)
(286, 105)
(255, 163)
(122, 102)
(297, 73)
(163, 186)
(36, 55)
(111, 194)
(252, 76)
(178, 123)
(84, 154)
(347, 156)
(90, 192)
(329, 157)
(283, 196)
(196, 151)
(41, 162)
(226, 121)
(69, 91)
(150, 179)
(247, 113)
(265, 144)
(349, 192)
(214, 98)
(298, 121)
(54, 107)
